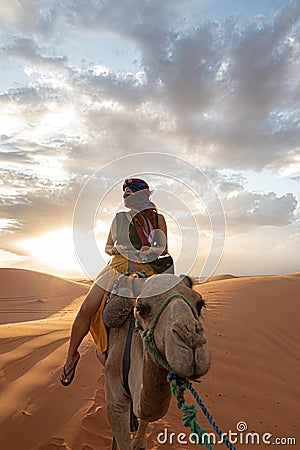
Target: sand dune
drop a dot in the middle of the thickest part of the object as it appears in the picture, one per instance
(253, 336)
(27, 295)
(222, 277)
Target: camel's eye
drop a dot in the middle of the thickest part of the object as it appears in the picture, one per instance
(199, 305)
(143, 309)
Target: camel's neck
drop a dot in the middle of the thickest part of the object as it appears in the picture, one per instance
(155, 392)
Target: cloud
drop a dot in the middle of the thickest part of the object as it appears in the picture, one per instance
(12, 154)
(221, 94)
(230, 90)
(225, 93)
(37, 206)
(29, 16)
(249, 210)
(10, 258)
(32, 206)
(27, 49)
(274, 254)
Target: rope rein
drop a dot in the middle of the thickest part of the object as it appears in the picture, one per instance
(178, 385)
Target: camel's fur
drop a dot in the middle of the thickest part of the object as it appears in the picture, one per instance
(179, 337)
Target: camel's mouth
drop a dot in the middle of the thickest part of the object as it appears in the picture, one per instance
(186, 350)
(190, 362)
(201, 362)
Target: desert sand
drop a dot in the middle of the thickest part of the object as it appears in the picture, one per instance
(252, 326)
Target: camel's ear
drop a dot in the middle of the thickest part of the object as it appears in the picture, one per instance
(187, 280)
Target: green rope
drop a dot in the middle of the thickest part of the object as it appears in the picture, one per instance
(181, 384)
(189, 419)
(151, 347)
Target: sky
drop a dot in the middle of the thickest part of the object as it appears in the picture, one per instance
(199, 97)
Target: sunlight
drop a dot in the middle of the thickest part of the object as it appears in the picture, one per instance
(57, 120)
(51, 168)
(10, 121)
(55, 250)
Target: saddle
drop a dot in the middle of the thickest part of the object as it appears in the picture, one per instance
(119, 302)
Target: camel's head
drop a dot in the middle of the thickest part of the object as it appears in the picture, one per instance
(178, 333)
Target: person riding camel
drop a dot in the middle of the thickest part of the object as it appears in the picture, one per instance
(141, 230)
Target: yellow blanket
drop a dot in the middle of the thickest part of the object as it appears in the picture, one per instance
(119, 264)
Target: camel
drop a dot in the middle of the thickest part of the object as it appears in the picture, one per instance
(179, 336)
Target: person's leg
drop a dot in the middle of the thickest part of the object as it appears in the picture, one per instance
(82, 322)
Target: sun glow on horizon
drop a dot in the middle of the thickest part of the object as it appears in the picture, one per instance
(54, 250)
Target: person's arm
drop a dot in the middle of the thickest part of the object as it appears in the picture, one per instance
(110, 248)
(110, 243)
